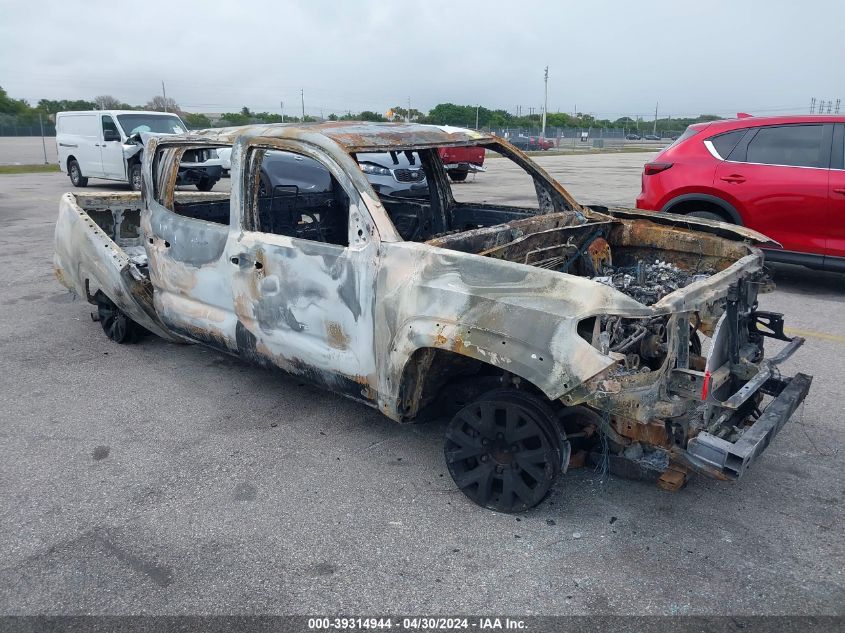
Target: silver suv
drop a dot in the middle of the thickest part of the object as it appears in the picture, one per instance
(397, 174)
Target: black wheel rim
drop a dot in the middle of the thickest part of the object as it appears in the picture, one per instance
(115, 323)
(501, 455)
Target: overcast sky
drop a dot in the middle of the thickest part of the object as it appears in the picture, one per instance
(608, 58)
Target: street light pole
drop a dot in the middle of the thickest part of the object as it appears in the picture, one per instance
(654, 130)
(545, 102)
(476, 115)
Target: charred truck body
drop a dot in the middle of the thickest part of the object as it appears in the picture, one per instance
(547, 332)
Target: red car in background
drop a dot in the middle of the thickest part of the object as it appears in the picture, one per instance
(459, 161)
(782, 176)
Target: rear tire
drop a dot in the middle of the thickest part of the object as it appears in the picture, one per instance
(206, 184)
(458, 175)
(708, 215)
(116, 325)
(135, 181)
(75, 174)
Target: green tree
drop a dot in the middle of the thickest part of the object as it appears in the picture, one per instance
(51, 107)
(12, 106)
(196, 121)
(236, 118)
(368, 115)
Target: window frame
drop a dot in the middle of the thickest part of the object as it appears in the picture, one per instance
(361, 228)
(711, 146)
(537, 174)
(103, 118)
(837, 151)
(740, 152)
(160, 180)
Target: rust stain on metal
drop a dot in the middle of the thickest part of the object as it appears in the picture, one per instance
(335, 336)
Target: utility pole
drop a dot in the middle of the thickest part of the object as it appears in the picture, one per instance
(408, 113)
(44, 145)
(302, 96)
(282, 108)
(812, 105)
(836, 110)
(164, 95)
(654, 130)
(476, 115)
(545, 102)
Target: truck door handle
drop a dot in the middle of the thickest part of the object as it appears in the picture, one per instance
(734, 178)
(840, 191)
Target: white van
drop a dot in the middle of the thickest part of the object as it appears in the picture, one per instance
(107, 144)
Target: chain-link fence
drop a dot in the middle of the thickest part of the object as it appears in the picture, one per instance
(573, 136)
(25, 126)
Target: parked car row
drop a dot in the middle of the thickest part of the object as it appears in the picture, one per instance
(531, 143)
(782, 176)
(646, 137)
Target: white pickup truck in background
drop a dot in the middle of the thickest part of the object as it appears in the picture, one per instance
(109, 144)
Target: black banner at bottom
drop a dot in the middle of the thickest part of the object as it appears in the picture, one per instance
(422, 624)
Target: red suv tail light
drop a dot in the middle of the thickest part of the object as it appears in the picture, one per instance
(655, 168)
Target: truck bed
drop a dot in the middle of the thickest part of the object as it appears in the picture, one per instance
(99, 249)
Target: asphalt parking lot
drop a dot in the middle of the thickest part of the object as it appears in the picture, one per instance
(157, 478)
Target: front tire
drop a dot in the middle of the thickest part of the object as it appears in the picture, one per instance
(206, 184)
(75, 174)
(504, 450)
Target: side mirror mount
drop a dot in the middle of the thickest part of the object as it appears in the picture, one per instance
(111, 135)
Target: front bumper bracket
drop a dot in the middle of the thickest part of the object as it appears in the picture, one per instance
(734, 458)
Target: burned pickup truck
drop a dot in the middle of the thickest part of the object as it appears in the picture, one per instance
(547, 333)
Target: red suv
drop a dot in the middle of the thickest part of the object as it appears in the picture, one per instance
(782, 176)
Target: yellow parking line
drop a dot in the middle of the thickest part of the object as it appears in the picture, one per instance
(824, 336)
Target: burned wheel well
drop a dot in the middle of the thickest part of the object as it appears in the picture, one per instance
(435, 381)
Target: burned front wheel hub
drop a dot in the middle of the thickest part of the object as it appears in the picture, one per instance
(502, 453)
